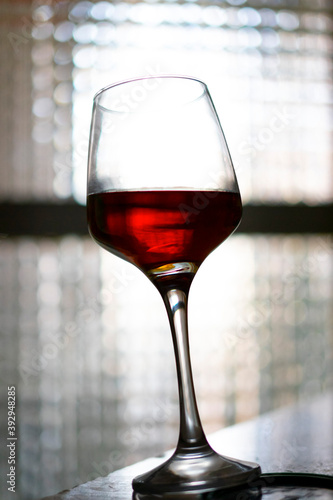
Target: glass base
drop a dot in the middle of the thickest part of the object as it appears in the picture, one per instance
(197, 470)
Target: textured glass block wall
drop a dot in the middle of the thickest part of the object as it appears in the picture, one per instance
(269, 70)
(268, 66)
(84, 336)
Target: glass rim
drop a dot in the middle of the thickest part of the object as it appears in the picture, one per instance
(100, 92)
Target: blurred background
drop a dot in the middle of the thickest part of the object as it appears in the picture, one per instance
(84, 336)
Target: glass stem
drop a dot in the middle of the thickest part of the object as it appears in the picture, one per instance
(191, 432)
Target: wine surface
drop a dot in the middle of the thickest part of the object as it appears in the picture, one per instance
(156, 228)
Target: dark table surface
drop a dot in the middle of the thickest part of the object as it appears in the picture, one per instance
(293, 445)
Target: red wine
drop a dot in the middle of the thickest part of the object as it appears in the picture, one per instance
(155, 228)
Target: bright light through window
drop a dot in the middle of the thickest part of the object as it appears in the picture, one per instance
(274, 111)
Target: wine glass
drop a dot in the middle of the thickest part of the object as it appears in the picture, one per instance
(162, 194)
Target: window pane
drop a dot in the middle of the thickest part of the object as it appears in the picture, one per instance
(269, 70)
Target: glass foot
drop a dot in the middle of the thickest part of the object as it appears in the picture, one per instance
(197, 470)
